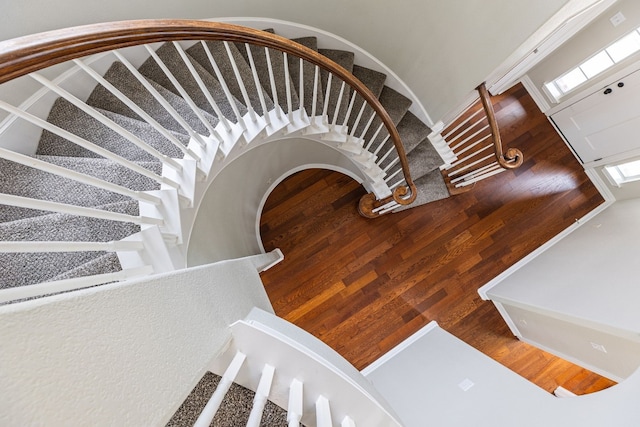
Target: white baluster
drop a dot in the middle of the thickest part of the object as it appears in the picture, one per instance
(203, 88)
(316, 80)
(86, 144)
(470, 137)
(180, 89)
(473, 145)
(467, 120)
(295, 408)
(261, 396)
(325, 108)
(256, 80)
(243, 88)
(391, 163)
(375, 135)
(387, 154)
(366, 129)
(472, 164)
(225, 89)
(46, 246)
(477, 172)
(393, 175)
(323, 412)
(25, 202)
(349, 108)
(77, 176)
(272, 81)
(480, 178)
(161, 100)
(287, 83)
(397, 184)
(107, 122)
(358, 118)
(210, 409)
(338, 103)
(301, 91)
(12, 294)
(136, 109)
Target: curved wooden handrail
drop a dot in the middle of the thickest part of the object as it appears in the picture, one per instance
(25, 55)
(513, 158)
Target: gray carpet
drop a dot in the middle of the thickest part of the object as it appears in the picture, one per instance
(19, 223)
(219, 53)
(25, 224)
(234, 410)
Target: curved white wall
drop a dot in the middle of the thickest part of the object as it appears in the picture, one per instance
(225, 226)
(441, 49)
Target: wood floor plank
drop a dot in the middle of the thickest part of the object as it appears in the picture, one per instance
(363, 286)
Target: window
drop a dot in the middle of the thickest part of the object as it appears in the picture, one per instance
(596, 64)
(623, 173)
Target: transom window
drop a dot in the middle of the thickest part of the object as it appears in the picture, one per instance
(596, 64)
(624, 172)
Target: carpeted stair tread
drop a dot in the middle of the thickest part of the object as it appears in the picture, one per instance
(423, 159)
(374, 81)
(119, 76)
(345, 59)
(109, 171)
(20, 269)
(431, 187)
(234, 410)
(421, 154)
(397, 106)
(69, 117)
(308, 71)
(106, 263)
(20, 180)
(413, 132)
(277, 63)
(219, 53)
(172, 59)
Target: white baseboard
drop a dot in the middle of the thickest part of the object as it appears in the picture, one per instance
(399, 348)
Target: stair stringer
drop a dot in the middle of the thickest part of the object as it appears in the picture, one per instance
(189, 215)
(216, 156)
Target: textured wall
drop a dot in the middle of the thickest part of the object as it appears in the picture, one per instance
(123, 355)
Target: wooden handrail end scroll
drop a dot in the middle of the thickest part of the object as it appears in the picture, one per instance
(368, 202)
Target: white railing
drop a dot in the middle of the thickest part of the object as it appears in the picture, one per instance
(213, 142)
(474, 137)
(267, 355)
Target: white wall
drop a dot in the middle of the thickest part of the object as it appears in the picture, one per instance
(441, 49)
(226, 225)
(423, 382)
(584, 286)
(122, 354)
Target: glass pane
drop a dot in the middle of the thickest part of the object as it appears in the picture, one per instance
(596, 65)
(570, 80)
(630, 170)
(615, 174)
(624, 47)
(553, 90)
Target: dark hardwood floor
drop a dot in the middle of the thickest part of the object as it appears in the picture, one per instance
(362, 286)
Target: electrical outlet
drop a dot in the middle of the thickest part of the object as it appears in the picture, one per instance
(598, 347)
(466, 384)
(617, 19)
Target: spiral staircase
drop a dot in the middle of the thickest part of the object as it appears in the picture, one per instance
(131, 142)
(148, 141)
